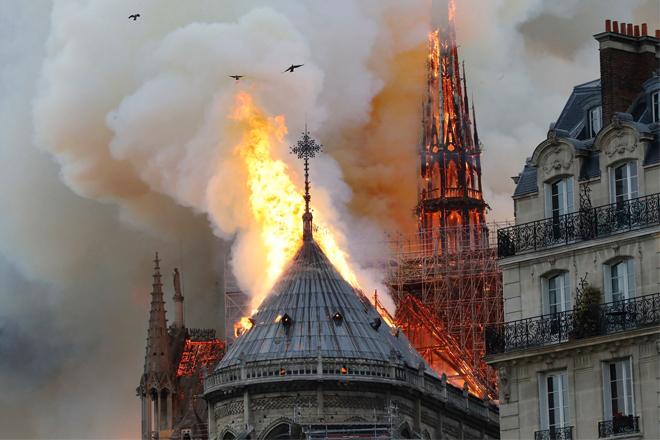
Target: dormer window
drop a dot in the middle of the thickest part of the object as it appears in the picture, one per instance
(595, 120)
(655, 106)
(559, 197)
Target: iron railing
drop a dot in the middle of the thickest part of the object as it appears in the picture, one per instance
(565, 433)
(586, 224)
(556, 328)
(618, 425)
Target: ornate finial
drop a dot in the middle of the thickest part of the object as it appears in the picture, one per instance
(157, 263)
(156, 274)
(306, 148)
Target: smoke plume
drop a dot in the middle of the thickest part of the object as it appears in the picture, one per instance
(116, 142)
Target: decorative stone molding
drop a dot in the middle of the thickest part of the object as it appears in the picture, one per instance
(583, 361)
(556, 160)
(620, 143)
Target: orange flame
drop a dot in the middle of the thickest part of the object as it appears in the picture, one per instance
(275, 202)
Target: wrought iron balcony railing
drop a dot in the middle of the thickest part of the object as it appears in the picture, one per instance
(556, 328)
(618, 425)
(583, 225)
(565, 433)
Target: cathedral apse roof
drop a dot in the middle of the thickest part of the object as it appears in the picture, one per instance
(312, 311)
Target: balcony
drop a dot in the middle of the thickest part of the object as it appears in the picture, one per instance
(565, 433)
(557, 328)
(583, 225)
(619, 425)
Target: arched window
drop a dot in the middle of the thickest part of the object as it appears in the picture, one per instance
(556, 292)
(559, 197)
(619, 279)
(623, 182)
(279, 432)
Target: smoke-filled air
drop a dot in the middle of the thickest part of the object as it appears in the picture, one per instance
(120, 138)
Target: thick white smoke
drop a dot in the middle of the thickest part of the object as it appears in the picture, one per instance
(136, 112)
(112, 131)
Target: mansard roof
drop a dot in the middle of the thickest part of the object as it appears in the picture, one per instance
(571, 128)
(312, 311)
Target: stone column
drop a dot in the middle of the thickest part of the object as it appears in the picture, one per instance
(157, 412)
(246, 408)
(143, 401)
(150, 408)
(211, 421)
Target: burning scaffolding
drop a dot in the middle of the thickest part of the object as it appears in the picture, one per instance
(445, 279)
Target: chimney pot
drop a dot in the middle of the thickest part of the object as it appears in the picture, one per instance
(645, 29)
(629, 30)
(636, 29)
(657, 33)
(608, 25)
(615, 27)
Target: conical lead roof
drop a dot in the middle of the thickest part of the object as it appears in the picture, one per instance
(313, 311)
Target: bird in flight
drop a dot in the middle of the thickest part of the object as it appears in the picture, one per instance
(133, 17)
(293, 67)
(237, 77)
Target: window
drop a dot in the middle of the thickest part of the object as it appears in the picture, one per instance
(557, 296)
(618, 389)
(623, 182)
(619, 280)
(559, 197)
(554, 400)
(655, 106)
(595, 115)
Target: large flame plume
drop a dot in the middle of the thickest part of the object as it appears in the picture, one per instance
(275, 201)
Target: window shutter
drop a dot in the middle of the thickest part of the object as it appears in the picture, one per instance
(632, 172)
(565, 407)
(548, 200)
(607, 395)
(545, 296)
(567, 297)
(607, 282)
(630, 278)
(569, 195)
(543, 401)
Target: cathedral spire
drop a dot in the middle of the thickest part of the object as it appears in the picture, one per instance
(157, 356)
(306, 148)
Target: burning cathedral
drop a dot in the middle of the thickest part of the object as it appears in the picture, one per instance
(319, 359)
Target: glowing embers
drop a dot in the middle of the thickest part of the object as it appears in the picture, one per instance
(197, 355)
(243, 326)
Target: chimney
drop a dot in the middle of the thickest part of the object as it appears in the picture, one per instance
(627, 59)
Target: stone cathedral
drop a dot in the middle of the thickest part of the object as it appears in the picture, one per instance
(318, 362)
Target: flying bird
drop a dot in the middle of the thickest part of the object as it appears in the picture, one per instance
(293, 67)
(237, 77)
(133, 17)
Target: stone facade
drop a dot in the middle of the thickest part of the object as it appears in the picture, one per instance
(587, 217)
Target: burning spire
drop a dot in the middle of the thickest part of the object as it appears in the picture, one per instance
(306, 148)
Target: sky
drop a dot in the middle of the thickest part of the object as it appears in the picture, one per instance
(115, 143)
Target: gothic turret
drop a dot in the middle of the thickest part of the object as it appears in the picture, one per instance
(157, 356)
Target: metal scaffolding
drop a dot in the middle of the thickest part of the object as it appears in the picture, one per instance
(445, 300)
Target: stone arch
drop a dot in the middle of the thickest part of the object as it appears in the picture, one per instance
(228, 434)
(404, 431)
(277, 430)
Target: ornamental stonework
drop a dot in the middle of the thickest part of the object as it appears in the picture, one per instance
(229, 409)
(620, 143)
(556, 160)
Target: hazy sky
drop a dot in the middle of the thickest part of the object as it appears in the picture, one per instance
(114, 143)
